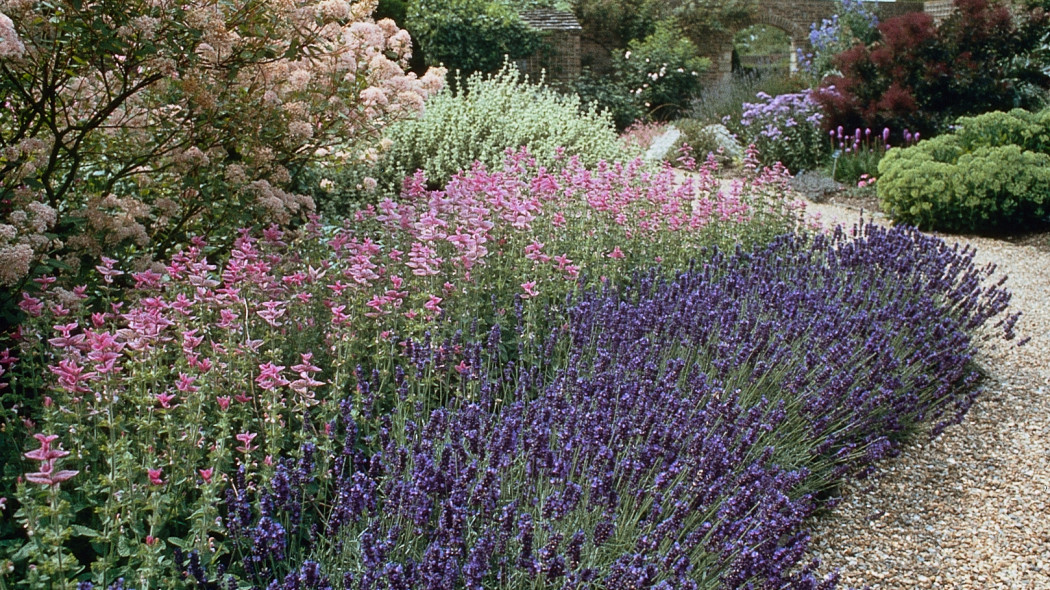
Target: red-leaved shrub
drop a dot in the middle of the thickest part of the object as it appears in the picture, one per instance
(921, 76)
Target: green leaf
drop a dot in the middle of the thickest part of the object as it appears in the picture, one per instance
(83, 531)
(23, 553)
(123, 549)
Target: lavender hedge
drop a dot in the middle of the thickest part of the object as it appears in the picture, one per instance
(678, 436)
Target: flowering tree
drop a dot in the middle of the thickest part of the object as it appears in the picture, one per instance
(126, 126)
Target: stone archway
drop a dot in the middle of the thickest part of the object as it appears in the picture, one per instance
(793, 17)
(798, 37)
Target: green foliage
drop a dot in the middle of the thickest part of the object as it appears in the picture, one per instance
(479, 122)
(615, 23)
(664, 71)
(992, 174)
(853, 167)
(395, 10)
(609, 93)
(470, 35)
(704, 18)
(761, 40)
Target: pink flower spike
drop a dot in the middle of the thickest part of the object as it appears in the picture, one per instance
(185, 383)
(246, 438)
(206, 474)
(107, 271)
(45, 439)
(432, 304)
(616, 253)
(270, 376)
(165, 399)
(155, 476)
(223, 401)
(530, 289)
(47, 475)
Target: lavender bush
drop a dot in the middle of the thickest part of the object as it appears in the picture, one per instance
(678, 436)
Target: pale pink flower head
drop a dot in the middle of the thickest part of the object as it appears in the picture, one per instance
(616, 253)
(165, 399)
(530, 290)
(47, 475)
(246, 438)
(11, 45)
(156, 476)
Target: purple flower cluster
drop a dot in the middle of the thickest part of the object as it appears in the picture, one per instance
(687, 430)
(853, 23)
(785, 128)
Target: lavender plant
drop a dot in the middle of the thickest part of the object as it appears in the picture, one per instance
(679, 435)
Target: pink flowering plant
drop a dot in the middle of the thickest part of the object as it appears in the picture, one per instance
(856, 155)
(205, 374)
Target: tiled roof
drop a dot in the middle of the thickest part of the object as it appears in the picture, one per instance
(546, 19)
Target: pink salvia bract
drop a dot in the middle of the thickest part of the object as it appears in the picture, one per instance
(270, 376)
(71, 376)
(32, 306)
(274, 311)
(107, 271)
(529, 288)
(46, 455)
(246, 438)
(165, 399)
(185, 383)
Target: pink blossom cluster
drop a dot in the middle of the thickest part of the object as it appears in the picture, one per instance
(47, 475)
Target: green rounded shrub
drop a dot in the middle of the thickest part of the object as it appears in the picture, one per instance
(991, 174)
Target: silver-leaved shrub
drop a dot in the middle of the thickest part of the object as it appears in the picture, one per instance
(479, 122)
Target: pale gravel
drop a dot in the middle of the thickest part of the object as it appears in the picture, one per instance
(970, 509)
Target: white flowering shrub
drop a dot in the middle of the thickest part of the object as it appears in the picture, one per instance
(125, 127)
(478, 123)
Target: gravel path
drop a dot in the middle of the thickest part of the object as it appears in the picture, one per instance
(970, 509)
